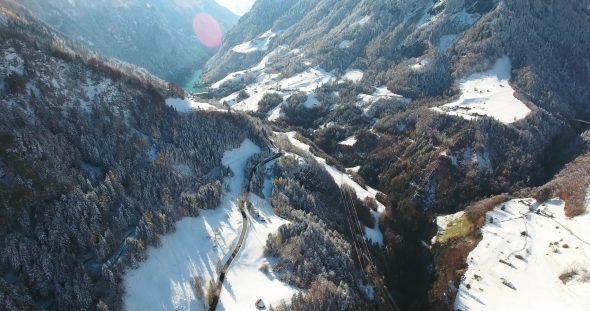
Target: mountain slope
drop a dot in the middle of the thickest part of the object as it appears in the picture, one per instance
(458, 37)
(156, 35)
(437, 104)
(98, 170)
(547, 264)
(93, 167)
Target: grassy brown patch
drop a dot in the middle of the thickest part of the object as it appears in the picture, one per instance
(457, 228)
(451, 261)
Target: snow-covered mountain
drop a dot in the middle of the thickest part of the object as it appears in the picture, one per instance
(437, 104)
(348, 127)
(157, 35)
(119, 192)
(418, 48)
(75, 126)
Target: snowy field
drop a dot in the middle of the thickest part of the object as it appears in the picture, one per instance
(265, 83)
(307, 81)
(256, 71)
(548, 248)
(350, 141)
(163, 281)
(275, 114)
(261, 43)
(186, 105)
(353, 75)
(342, 178)
(381, 92)
(488, 94)
(366, 101)
(345, 44)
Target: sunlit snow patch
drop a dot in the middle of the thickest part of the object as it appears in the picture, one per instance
(307, 81)
(311, 100)
(185, 105)
(361, 20)
(353, 75)
(420, 64)
(488, 94)
(350, 141)
(14, 62)
(467, 157)
(345, 44)
(250, 103)
(252, 72)
(261, 43)
(275, 114)
(381, 92)
(443, 221)
(537, 279)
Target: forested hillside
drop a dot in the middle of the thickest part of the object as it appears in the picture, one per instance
(155, 35)
(93, 164)
(455, 37)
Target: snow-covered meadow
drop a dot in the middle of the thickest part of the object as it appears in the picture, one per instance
(553, 272)
(350, 141)
(260, 43)
(186, 105)
(353, 75)
(488, 94)
(308, 80)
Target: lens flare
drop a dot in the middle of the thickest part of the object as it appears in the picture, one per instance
(207, 30)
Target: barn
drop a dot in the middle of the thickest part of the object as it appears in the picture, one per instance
(259, 304)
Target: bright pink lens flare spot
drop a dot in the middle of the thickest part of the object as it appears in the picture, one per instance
(207, 30)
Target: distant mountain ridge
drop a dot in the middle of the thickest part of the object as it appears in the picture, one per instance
(156, 35)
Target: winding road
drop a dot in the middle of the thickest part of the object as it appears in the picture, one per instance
(231, 258)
